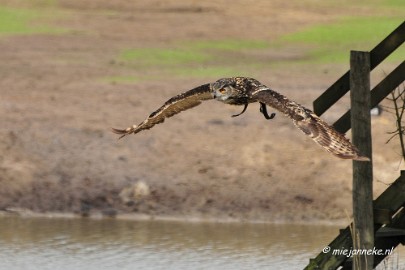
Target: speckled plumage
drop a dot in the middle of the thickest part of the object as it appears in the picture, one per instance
(242, 91)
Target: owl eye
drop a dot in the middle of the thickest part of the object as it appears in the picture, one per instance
(223, 90)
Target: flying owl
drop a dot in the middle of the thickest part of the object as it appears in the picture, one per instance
(242, 91)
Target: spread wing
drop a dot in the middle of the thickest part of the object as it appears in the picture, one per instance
(171, 107)
(313, 126)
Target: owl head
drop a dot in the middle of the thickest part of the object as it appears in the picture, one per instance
(231, 90)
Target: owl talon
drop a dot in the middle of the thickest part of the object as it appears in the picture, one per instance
(244, 109)
(263, 110)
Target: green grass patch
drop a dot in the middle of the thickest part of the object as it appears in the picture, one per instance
(196, 52)
(15, 21)
(205, 72)
(228, 45)
(347, 32)
(332, 42)
(195, 59)
(159, 56)
(394, 3)
(329, 43)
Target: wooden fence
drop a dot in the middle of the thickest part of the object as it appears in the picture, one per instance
(389, 211)
(378, 224)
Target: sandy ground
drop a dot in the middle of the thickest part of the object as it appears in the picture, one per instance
(56, 111)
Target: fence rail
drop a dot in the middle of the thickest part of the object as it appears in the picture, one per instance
(379, 92)
(377, 55)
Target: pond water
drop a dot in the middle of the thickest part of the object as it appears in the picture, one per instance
(57, 243)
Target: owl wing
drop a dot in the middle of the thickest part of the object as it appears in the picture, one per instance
(310, 124)
(175, 105)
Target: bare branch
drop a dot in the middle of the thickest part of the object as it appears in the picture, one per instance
(398, 100)
(392, 137)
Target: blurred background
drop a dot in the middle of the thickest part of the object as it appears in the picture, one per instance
(71, 70)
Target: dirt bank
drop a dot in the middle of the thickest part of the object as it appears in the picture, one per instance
(57, 108)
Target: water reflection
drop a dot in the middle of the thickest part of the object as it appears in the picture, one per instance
(38, 243)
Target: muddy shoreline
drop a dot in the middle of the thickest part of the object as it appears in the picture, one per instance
(26, 213)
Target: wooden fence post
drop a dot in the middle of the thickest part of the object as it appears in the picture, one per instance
(363, 224)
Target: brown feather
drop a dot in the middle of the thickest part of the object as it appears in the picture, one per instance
(175, 105)
(311, 125)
